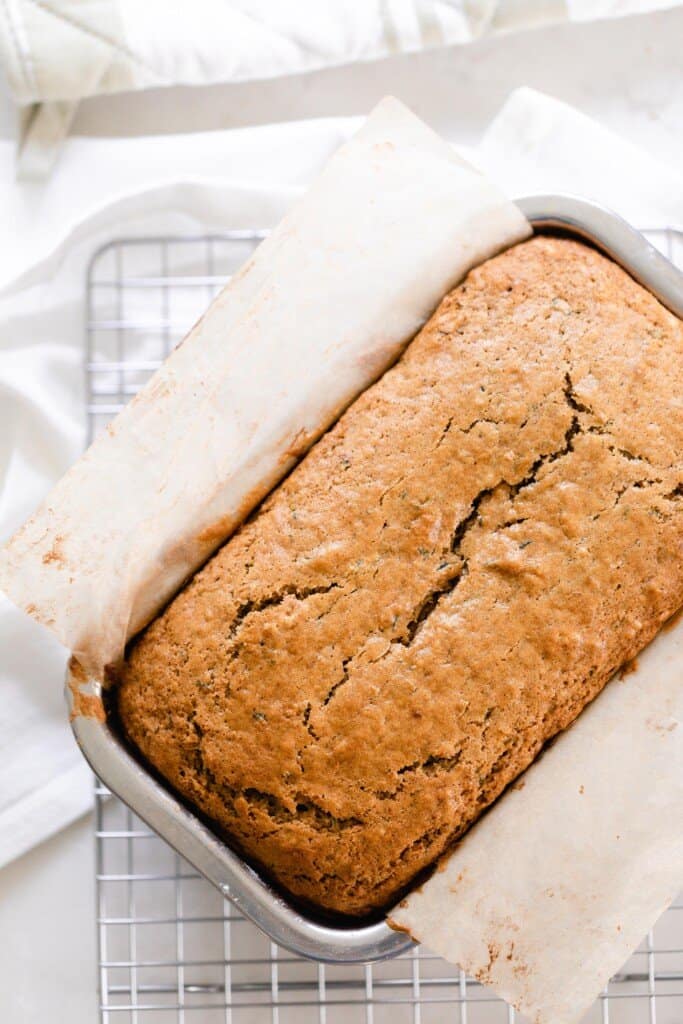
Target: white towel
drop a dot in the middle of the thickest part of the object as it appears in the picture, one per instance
(106, 188)
(59, 52)
(65, 50)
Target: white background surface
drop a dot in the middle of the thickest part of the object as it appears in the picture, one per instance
(627, 74)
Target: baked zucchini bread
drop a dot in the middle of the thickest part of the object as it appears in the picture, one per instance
(438, 588)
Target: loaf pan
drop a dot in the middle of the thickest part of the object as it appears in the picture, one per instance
(253, 895)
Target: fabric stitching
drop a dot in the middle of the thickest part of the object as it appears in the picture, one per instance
(14, 38)
(122, 51)
(24, 42)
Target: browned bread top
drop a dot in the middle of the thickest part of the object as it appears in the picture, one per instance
(439, 587)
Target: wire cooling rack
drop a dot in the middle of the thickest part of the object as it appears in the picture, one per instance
(171, 949)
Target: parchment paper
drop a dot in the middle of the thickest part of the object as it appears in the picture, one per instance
(325, 305)
(548, 895)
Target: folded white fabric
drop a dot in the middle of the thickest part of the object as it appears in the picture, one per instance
(65, 51)
(537, 144)
(105, 188)
(55, 54)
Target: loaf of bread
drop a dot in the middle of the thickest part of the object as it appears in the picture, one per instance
(440, 586)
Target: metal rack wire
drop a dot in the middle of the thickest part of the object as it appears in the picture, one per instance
(171, 949)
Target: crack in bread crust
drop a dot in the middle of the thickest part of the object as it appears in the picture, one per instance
(443, 583)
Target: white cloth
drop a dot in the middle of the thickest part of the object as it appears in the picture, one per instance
(66, 50)
(59, 52)
(537, 144)
(50, 231)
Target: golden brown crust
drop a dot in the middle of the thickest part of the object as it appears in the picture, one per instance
(439, 587)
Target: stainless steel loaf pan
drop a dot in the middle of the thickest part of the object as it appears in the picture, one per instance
(124, 776)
